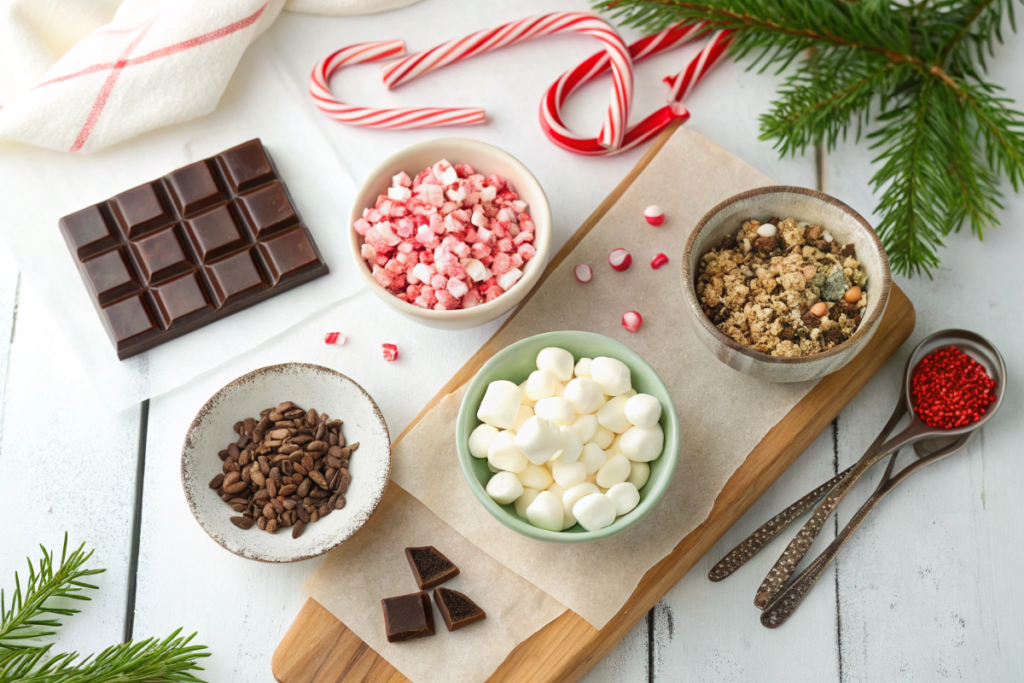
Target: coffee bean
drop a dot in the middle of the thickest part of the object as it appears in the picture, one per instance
(236, 501)
(237, 487)
(287, 490)
(316, 447)
(261, 522)
(333, 462)
(217, 481)
(342, 482)
(239, 507)
(272, 526)
(231, 478)
(269, 512)
(340, 503)
(264, 464)
(300, 469)
(281, 434)
(257, 477)
(244, 457)
(275, 474)
(272, 487)
(353, 448)
(303, 515)
(288, 448)
(299, 527)
(243, 441)
(324, 510)
(332, 439)
(262, 494)
(312, 418)
(304, 487)
(319, 493)
(318, 478)
(321, 430)
(307, 462)
(302, 439)
(289, 504)
(294, 413)
(242, 522)
(314, 516)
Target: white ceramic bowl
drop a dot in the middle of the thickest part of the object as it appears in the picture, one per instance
(308, 386)
(486, 159)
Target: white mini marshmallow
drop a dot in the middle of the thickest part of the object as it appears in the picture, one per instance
(538, 439)
(480, 440)
(639, 473)
(612, 415)
(615, 470)
(577, 493)
(557, 409)
(611, 374)
(500, 404)
(585, 426)
(524, 414)
(643, 445)
(625, 496)
(540, 384)
(572, 444)
(509, 278)
(493, 469)
(582, 368)
(557, 361)
(474, 269)
(585, 395)
(567, 519)
(503, 454)
(603, 437)
(593, 457)
(527, 401)
(556, 489)
(546, 512)
(594, 512)
(569, 474)
(643, 410)
(615, 445)
(523, 501)
(630, 394)
(535, 477)
(591, 479)
(559, 389)
(399, 194)
(504, 488)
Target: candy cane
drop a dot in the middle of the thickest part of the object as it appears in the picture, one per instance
(681, 86)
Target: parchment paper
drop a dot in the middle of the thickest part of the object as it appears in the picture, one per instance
(722, 413)
(372, 565)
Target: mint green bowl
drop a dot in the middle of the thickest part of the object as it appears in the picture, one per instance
(515, 363)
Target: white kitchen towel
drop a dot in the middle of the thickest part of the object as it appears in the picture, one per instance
(80, 76)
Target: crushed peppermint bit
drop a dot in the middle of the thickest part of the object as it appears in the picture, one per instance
(335, 338)
(390, 352)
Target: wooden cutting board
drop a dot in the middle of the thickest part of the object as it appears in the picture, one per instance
(320, 649)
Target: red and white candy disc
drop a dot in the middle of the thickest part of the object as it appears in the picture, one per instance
(654, 214)
(620, 259)
(632, 320)
(583, 273)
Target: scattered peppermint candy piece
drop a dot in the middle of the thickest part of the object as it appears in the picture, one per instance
(390, 352)
(658, 261)
(583, 273)
(654, 214)
(335, 338)
(632, 320)
(620, 259)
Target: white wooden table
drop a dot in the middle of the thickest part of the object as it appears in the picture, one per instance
(928, 589)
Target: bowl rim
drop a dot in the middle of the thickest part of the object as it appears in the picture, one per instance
(530, 277)
(204, 412)
(867, 324)
(654, 496)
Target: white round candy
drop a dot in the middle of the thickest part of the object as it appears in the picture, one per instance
(615, 470)
(585, 395)
(612, 374)
(504, 454)
(500, 404)
(546, 511)
(572, 444)
(569, 474)
(639, 473)
(582, 368)
(523, 501)
(612, 415)
(527, 401)
(767, 230)
(643, 445)
(594, 512)
(558, 361)
(504, 488)
(558, 410)
(480, 440)
(593, 457)
(538, 439)
(540, 384)
(535, 477)
(603, 437)
(585, 426)
(577, 493)
(643, 410)
(625, 496)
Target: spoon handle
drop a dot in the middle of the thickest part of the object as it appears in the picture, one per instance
(741, 554)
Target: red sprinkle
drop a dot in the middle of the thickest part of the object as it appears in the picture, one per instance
(335, 338)
(658, 261)
(949, 389)
(390, 352)
(632, 320)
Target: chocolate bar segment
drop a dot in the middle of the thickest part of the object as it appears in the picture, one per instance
(195, 246)
(407, 617)
(429, 567)
(456, 609)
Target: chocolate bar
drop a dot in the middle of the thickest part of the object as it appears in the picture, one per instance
(429, 567)
(195, 246)
(456, 609)
(407, 617)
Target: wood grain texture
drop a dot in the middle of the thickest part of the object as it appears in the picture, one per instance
(568, 647)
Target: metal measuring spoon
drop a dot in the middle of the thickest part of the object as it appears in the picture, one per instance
(977, 347)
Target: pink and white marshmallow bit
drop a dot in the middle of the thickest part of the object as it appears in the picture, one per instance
(654, 214)
(620, 259)
(658, 261)
(335, 338)
(390, 352)
(583, 273)
(632, 320)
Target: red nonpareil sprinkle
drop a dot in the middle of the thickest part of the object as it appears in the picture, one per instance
(949, 389)
(390, 352)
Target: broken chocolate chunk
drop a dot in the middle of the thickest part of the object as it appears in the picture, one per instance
(767, 245)
(813, 233)
(849, 250)
(811, 320)
(456, 609)
(787, 332)
(430, 567)
(407, 617)
(834, 335)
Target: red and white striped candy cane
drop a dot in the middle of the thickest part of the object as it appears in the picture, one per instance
(681, 86)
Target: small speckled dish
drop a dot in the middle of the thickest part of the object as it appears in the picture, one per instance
(809, 206)
(308, 386)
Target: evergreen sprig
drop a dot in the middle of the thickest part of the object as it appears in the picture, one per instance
(944, 135)
(33, 615)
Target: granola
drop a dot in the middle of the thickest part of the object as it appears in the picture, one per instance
(783, 288)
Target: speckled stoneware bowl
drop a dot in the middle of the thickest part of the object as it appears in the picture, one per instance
(308, 386)
(764, 203)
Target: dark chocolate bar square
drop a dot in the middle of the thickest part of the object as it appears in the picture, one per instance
(407, 617)
(195, 246)
(430, 567)
(457, 610)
